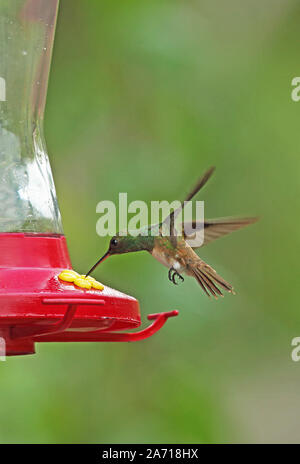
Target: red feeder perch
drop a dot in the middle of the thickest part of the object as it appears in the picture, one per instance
(35, 306)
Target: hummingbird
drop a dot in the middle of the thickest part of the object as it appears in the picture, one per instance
(174, 251)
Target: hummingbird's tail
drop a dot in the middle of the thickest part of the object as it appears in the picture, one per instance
(210, 281)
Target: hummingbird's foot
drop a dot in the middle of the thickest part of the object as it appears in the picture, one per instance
(172, 274)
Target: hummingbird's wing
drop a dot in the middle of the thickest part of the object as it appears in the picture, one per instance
(215, 228)
(170, 220)
(201, 182)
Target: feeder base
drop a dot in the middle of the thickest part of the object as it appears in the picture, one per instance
(10, 347)
(35, 306)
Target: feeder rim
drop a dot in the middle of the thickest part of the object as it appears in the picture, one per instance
(57, 332)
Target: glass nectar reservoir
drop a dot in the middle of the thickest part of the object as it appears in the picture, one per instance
(27, 194)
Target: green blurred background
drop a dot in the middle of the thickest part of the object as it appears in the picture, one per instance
(143, 97)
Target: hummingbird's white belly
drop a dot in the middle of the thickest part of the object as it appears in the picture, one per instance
(167, 260)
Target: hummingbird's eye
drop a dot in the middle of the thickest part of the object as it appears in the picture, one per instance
(114, 242)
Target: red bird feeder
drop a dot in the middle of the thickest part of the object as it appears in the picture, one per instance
(35, 306)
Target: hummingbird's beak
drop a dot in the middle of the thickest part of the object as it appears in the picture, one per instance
(98, 262)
